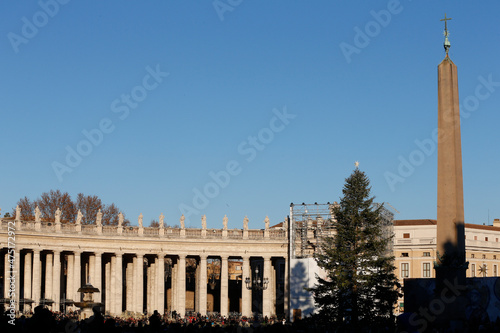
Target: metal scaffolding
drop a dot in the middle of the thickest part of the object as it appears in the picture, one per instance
(310, 223)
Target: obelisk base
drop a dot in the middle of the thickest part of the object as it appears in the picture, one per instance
(450, 295)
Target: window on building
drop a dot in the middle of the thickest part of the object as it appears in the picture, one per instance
(473, 270)
(484, 256)
(495, 270)
(426, 270)
(486, 239)
(427, 254)
(406, 235)
(472, 255)
(475, 237)
(404, 254)
(494, 256)
(405, 270)
(496, 240)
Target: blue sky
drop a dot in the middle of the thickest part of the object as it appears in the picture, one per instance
(253, 104)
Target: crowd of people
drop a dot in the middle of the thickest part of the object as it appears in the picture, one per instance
(45, 321)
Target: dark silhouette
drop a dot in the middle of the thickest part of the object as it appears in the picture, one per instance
(42, 321)
(95, 323)
(155, 322)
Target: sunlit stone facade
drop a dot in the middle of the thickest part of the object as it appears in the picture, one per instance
(415, 249)
(141, 269)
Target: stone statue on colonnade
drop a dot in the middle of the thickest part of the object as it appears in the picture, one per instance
(182, 221)
(224, 222)
(58, 215)
(99, 218)
(245, 223)
(37, 214)
(162, 218)
(204, 222)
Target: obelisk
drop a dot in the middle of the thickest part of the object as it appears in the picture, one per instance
(450, 203)
(451, 266)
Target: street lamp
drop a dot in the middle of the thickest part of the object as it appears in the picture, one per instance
(212, 281)
(483, 270)
(256, 282)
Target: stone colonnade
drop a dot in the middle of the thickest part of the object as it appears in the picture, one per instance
(141, 282)
(142, 269)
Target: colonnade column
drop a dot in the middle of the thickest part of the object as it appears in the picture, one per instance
(69, 277)
(160, 283)
(286, 290)
(133, 273)
(181, 285)
(154, 291)
(17, 281)
(266, 293)
(56, 286)
(246, 294)
(150, 287)
(129, 278)
(224, 286)
(77, 279)
(110, 289)
(27, 279)
(272, 286)
(197, 288)
(91, 278)
(139, 283)
(108, 281)
(6, 274)
(203, 285)
(98, 276)
(48, 275)
(173, 286)
(118, 284)
(36, 278)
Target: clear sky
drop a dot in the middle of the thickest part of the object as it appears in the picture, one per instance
(241, 107)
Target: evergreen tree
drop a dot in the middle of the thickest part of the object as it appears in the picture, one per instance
(360, 286)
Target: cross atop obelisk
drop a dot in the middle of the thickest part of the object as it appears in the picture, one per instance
(446, 34)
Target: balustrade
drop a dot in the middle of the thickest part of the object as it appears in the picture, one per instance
(235, 234)
(255, 234)
(109, 229)
(151, 231)
(91, 229)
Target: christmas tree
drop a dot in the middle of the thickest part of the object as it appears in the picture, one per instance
(360, 287)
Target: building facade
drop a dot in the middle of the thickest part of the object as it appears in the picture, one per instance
(415, 249)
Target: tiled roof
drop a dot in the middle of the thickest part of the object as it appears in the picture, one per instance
(414, 222)
(398, 223)
(483, 227)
